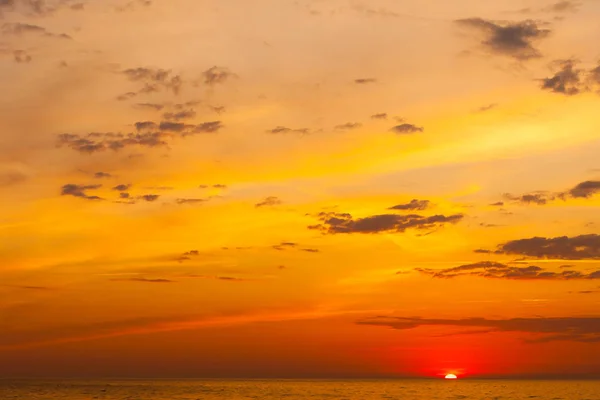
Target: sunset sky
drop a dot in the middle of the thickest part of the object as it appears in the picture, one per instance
(299, 188)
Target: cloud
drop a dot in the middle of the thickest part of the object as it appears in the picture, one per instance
(487, 107)
(567, 80)
(152, 106)
(149, 197)
(149, 134)
(100, 175)
(583, 247)
(124, 195)
(539, 198)
(379, 116)
(563, 6)
(363, 81)
(74, 190)
(97, 142)
(412, 205)
(311, 250)
(284, 246)
(21, 56)
(189, 201)
(348, 126)
(143, 280)
(216, 75)
(585, 189)
(282, 129)
(404, 129)
(336, 223)
(154, 79)
(215, 186)
(582, 190)
(17, 28)
(495, 270)
(514, 39)
(122, 187)
(269, 202)
(180, 115)
(580, 329)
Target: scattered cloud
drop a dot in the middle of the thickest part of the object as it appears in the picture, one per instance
(216, 75)
(563, 6)
(363, 81)
(514, 39)
(580, 329)
(348, 126)
(122, 187)
(567, 80)
(336, 223)
(101, 175)
(404, 129)
(149, 197)
(539, 198)
(180, 115)
(582, 190)
(379, 116)
(495, 270)
(151, 106)
(74, 190)
(19, 29)
(190, 201)
(585, 189)
(282, 129)
(154, 80)
(583, 247)
(285, 246)
(269, 202)
(414, 204)
(487, 107)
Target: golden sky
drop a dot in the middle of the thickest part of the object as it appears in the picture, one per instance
(299, 188)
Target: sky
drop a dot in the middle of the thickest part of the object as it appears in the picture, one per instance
(299, 188)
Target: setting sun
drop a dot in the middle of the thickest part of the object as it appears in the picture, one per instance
(450, 376)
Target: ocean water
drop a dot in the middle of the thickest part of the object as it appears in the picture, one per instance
(297, 389)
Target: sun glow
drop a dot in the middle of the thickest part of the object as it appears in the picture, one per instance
(450, 376)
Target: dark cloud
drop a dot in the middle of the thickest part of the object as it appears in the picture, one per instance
(122, 187)
(414, 204)
(348, 126)
(149, 134)
(580, 329)
(585, 189)
(96, 142)
(189, 201)
(269, 202)
(311, 250)
(363, 81)
(404, 129)
(219, 186)
(379, 116)
(282, 129)
(495, 270)
(336, 223)
(216, 75)
(514, 39)
(497, 204)
(124, 195)
(154, 79)
(149, 197)
(18, 28)
(583, 247)
(100, 175)
(567, 80)
(71, 189)
(180, 115)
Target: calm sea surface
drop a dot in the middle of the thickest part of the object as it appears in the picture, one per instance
(291, 389)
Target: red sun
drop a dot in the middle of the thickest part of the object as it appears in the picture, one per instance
(450, 376)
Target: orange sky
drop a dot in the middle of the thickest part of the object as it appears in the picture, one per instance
(310, 188)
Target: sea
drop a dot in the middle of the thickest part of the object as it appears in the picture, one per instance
(299, 389)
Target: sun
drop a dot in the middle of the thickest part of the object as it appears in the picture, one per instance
(450, 376)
